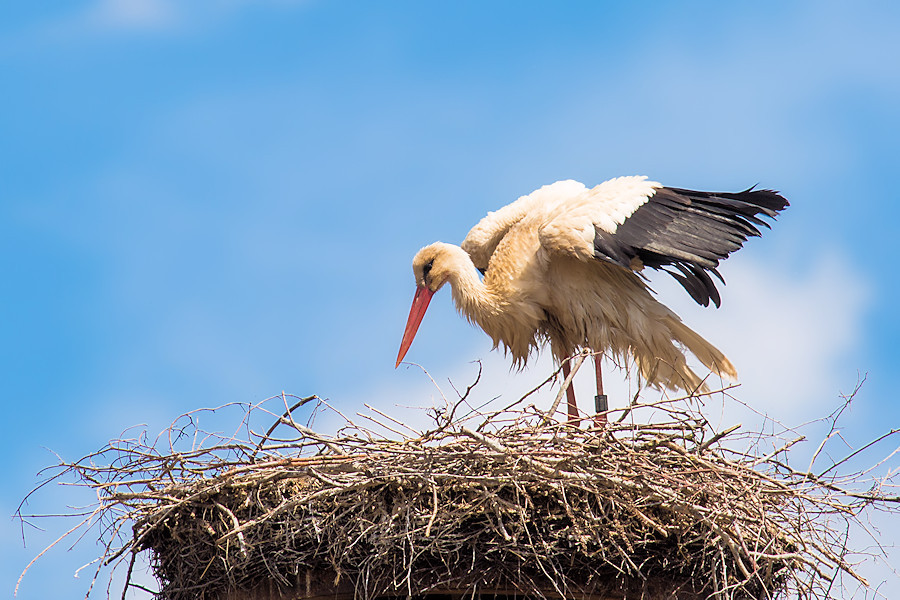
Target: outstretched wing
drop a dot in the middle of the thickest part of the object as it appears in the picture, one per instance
(634, 223)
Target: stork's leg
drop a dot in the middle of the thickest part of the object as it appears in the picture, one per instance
(600, 401)
(570, 396)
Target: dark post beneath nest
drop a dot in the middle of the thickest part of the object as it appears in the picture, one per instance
(570, 396)
(601, 404)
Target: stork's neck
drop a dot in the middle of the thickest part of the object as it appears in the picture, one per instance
(472, 297)
(495, 307)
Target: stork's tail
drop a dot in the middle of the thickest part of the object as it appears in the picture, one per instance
(663, 365)
(711, 357)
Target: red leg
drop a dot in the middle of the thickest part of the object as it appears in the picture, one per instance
(570, 397)
(601, 403)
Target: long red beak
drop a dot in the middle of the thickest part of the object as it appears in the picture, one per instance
(416, 312)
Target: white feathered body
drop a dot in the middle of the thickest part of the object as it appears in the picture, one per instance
(559, 267)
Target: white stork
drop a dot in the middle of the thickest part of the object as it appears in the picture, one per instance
(562, 265)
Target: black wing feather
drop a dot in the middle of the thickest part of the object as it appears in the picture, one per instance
(686, 233)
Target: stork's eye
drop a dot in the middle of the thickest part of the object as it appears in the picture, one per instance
(427, 269)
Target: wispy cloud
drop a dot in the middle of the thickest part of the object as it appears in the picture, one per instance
(791, 333)
(166, 14)
(115, 17)
(132, 14)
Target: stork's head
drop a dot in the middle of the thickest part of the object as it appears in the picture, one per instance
(432, 267)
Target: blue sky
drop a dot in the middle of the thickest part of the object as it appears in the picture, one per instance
(216, 202)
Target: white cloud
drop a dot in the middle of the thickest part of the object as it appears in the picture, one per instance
(133, 14)
(168, 14)
(788, 331)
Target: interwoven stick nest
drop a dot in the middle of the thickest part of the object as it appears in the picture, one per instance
(508, 501)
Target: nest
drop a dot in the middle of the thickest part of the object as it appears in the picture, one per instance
(508, 502)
